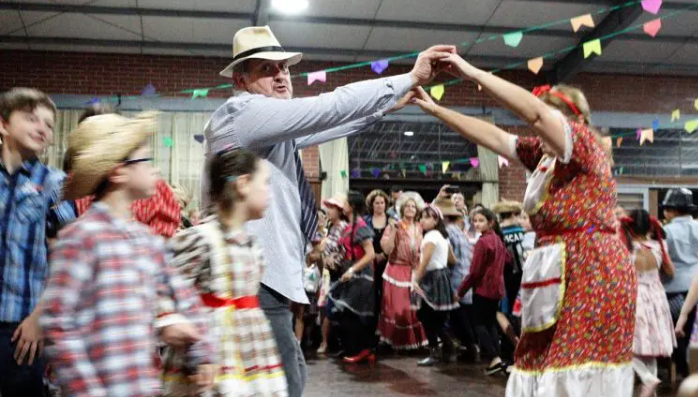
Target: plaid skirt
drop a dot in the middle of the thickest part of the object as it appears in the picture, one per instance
(249, 361)
(355, 295)
(438, 294)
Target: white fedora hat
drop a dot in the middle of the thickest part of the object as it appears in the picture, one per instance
(258, 42)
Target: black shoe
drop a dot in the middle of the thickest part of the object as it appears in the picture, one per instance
(494, 369)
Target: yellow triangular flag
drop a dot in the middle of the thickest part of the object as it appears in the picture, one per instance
(437, 91)
(675, 115)
(646, 135)
(583, 20)
(691, 126)
(695, 104)
(535, 64)
(619, 141)
(404, 172)
(444, 166)
(592, 47)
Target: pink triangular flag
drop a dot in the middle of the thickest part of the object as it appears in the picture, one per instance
(317, 76)
(583, 20)
(503, 161)
(638, 133)
(475, 161)
(652, 6)
(652, 27)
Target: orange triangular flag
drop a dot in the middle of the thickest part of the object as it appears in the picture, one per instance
(535, 64)
(582, 20)
(619, 141)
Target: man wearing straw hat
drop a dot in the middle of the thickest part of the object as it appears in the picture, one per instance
(265, 118)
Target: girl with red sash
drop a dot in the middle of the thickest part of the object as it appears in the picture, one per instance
(225, 264)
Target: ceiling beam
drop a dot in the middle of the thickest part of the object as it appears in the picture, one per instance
(261, 14)
(574, 61)
(666, 5)
(257, 19)
(226, 47)
(146, 12)
(484, 61)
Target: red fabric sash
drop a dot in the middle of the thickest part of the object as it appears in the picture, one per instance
(243, 302)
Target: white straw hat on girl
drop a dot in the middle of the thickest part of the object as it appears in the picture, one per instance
(99, 144)
(258, 42)
(407, 196)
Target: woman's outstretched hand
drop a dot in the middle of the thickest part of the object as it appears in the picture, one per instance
(460, 67)
(424, 101)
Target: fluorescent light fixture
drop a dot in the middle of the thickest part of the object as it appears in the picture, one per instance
(290, 6)
(409, 133)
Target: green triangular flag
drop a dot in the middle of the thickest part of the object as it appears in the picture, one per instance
(343, 173)
(423, 168)
(513, 39)
(168, 141)
(203, 93)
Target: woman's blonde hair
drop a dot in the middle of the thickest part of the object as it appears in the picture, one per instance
(579, 100)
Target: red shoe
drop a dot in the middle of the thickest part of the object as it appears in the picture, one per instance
(365, 355)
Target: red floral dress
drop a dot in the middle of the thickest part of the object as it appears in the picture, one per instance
(588, 344)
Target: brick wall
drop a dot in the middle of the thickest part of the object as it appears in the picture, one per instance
(98, 74)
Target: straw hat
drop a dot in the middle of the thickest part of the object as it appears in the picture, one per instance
(101, 143)
(506, 206)
(258, 42)
(407, 196)
(337, 201)
(447, 207)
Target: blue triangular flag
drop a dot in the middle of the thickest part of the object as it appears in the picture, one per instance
(380, 65)
(199, 138)
(93, 101)
(655, 124)
(148, 90)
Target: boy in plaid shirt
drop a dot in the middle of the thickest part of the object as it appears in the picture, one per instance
(111, 289)
(30, 213)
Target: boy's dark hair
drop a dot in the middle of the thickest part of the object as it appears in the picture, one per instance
(508, 215)
(225, 167)
(96, 109)
(440, 225)
(26, 99)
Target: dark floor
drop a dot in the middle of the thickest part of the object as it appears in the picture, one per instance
(400, 376)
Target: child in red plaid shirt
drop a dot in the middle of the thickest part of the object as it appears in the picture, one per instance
(111, 290)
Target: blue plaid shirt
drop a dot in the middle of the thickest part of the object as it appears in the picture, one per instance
(29, 214)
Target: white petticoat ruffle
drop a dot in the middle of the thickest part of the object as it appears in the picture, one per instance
(592, 381)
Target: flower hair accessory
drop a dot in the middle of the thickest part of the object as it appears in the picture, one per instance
(547, 89)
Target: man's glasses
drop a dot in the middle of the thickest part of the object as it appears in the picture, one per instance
(135, 161)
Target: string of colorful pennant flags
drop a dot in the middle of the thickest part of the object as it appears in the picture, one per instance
(511, 39)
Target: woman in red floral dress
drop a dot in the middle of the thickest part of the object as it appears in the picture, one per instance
(579, 286)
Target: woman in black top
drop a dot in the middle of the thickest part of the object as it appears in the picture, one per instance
(377, 219)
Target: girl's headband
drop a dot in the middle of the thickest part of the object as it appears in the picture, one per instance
(547, 89)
